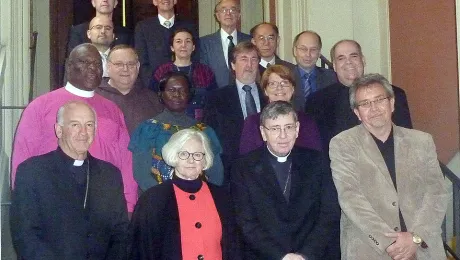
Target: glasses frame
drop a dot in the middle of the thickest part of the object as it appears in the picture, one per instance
(232, 10)
(121, 65)
(368, 104)
(273, 85)
(276, 130)
(188, 155)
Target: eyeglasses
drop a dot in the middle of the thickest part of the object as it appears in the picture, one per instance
(88, 63)
(305, 50)
(184, 155)
(232, 10)
(276, 130)
(100, 27)
(272, 85)
(378, 102)
(120, 65)
(270, 38)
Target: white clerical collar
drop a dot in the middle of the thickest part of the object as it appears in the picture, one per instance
(280, 159)
(264, 63)
(78, 162)
(79, 92)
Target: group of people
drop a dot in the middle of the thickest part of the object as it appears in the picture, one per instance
(214, 148)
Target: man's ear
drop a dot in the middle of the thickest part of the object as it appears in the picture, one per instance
(58, 130)
(355, 110)
(262, 132)
(88, 34)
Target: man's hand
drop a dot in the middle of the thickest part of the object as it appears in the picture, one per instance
(403, 248)
(292, 256)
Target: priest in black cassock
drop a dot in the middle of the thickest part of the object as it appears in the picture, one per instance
(285, 201)
(67, 204)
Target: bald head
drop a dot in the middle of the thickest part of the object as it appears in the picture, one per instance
(100, 32)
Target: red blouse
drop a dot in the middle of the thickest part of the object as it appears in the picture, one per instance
(200, 226)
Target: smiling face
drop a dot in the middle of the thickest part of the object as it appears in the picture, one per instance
(378, 116)
(278, 89)
(76, 130)
(176, 94)
(104, 6)
(123, 69)
(182, 45)
(280, 134)
(190, 169)
(307, 50)
(84, 67)
(164, 5)
(348, 62)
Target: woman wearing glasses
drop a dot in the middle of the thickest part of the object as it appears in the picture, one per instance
(278, 84)
(149, 137)
(186, 217)
(201, 76)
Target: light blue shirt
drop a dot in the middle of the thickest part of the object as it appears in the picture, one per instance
(242, 96)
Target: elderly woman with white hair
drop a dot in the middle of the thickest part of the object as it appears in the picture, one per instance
(185, 217)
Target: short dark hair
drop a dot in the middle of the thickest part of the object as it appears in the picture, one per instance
(245, 46)
(367, 80)
(275, 109)
(171, 38)
(296, 38)
(342, 41)
(253, 30)
(123, 47)
(173, 74)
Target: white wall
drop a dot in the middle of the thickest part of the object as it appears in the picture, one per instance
(41, 24)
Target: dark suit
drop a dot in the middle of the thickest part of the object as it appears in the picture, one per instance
(48, 220)
(330, 107)
(155, 230)
(224, 114)
(272, 227)
(324, 78)
(78, 35)
(278, 61)
(212, 54)
(152, 42)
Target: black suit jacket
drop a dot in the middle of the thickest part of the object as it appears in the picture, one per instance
(271, 227)
(278, 61)
(151, 40)
(155, 226)
(330, 107)
(223, 113)
(78, 35)
(48, 220)
(324, 78)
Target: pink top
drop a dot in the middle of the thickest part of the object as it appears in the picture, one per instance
(200, 226)
(35, 133)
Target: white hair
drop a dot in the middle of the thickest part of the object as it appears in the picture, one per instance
(61, 111)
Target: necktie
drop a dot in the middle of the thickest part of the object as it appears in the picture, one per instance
(167, 24)
(231, 80)
(306, 86)
(249, 101)
(268, 65)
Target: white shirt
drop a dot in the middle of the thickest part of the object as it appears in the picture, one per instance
(79, 92)
(104, 56)
(163, 20)
(226, 42)
(242, 95)
(264, 63)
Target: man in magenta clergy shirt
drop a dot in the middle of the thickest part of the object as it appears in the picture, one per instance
(35, 135)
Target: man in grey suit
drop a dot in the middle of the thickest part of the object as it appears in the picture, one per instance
(215, 48)
(265, 36)
(309, 77)
(391, 190)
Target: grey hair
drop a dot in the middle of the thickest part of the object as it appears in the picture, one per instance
(61, 111)
(176, 142)
(275, 109)
(365, 81)
(358, 46)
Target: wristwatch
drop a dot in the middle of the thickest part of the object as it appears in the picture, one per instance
(418, 241)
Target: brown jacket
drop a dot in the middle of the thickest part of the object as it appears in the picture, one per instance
(370, 202)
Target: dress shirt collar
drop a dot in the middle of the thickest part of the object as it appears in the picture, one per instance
(79, 92)
(163, 20)
(264, 63)
(240, 86)
(224, 35)
(304, 72)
